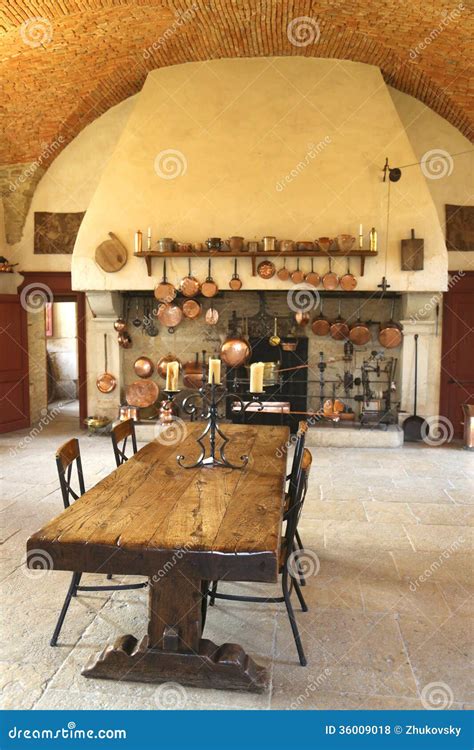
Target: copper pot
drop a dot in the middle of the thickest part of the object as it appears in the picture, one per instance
(320, 326)
(359, 333)
(235, 283)
(106, 382)
(306, 245)
(312, 277)
(287, 246)
(170, 314)
(142, 393)
(163, 361)
(120, 325)
(235, 352)
(269, 244)
(330, 279)
(339, 330)
(390, 334)
(236, 244)
(143, 367)
(283, 273)
(193, 373)
(164, 291)
(348, 282)
(191, 309)
(297, 276)
(189, 286)
(209, 287)
(266, 269)
(324, 243)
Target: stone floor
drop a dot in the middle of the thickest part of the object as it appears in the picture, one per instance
(389, 552)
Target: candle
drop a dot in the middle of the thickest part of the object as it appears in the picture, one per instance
(138, 241)
(361, 237)
(256, 377)
(172, 374)
(148, 241)
(214, 371)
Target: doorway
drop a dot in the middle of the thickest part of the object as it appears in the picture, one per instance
(62, 357)
(457, 363)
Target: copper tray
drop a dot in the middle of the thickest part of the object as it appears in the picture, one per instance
(142, 393)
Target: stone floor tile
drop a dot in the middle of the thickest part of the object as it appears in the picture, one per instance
(388, 512)
(442, 515)
(434, 566)
(376, 536)
(398, 596)
(438, 538)
(330, 510)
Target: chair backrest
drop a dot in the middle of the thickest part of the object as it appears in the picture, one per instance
(297, 456)
(292, 515)
(120, 435)
(66, 456)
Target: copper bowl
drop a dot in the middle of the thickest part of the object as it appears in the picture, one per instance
(235, 352)
(142, 393)
(143, 367)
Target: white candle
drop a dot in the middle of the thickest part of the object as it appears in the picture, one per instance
(138, 241)
(361, 237)
(172, 374)
(214, 371)
(149, 238)
(256, 377)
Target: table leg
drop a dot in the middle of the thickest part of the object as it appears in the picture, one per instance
(173, 649)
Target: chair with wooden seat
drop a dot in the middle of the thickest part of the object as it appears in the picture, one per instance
(120, 435)
(66, 456)
(288, 565)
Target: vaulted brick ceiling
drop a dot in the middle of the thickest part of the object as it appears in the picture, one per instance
(66, 62)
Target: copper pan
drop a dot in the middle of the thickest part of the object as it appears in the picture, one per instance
(143, 367)
(191, 309)
(283, 273)
(189, 285)
(320, 326)
(348, 282)
(339, 330)
(266, 269)
(235, 283)
(235, 351)
(209, 287)
(193, 373)
(297, 276)
(164, 291)
(142, 393)
(170, 314)
(359, 333)
(330, 279)
(390, 334)
(312, 277)
(163, 361)
(106, 382)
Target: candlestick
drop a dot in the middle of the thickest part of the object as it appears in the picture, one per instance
(138, 241)
(256, 377)
(373, 240)
(214, 366)
(148, 239)
(361, 237)
(172, 374)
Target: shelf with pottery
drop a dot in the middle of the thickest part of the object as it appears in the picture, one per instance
(358, 253)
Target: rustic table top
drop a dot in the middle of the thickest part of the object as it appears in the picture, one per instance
(225, 522)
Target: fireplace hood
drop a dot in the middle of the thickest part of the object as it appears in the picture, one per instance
(292, 147)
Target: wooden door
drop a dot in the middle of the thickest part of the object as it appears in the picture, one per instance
(457, 360)
(14, 381)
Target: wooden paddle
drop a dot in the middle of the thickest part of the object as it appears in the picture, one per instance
(111, 255)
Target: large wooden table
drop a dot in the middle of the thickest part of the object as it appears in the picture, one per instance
(181, 528)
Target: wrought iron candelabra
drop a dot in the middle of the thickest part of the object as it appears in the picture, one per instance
(205, 403)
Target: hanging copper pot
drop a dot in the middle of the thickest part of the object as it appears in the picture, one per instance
(170, 315)
(330, 279)
(193, 373)
(106, 382)
(120, 325)
(297, 276)
(283, 273)
(235, 351)
(339, 330)
(359, 332)
(235, 283)
(302, 319)
(143, 367)
(191, 309)
(320, 326)
(312, 277)
(189, 285)
(142, 393)
(348, 282)
(266, 269)
(390, 334)
(164, 291)
(162, 363)
(209, 287)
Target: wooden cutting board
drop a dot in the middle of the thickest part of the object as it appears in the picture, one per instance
(412, 253)
(111, 255)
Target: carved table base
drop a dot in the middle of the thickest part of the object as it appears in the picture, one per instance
(173, 650)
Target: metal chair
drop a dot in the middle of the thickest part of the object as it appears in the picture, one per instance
(66, 456)
(292, 478)
(120, 434)
(288, 560)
